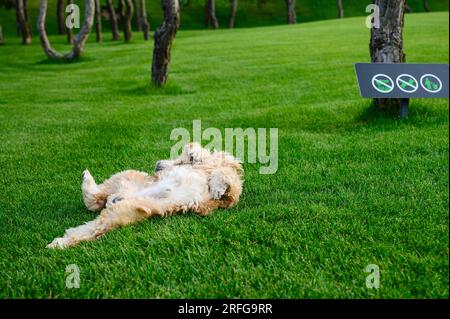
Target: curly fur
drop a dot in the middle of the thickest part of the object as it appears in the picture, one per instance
(199, 181)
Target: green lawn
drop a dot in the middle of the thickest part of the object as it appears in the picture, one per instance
(353, 187)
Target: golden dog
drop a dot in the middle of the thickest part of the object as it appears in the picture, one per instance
(199, 181)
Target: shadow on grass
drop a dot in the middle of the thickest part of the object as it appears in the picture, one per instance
(150, 89)
(63, 61)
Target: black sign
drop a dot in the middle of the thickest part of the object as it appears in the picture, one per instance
(401, 80)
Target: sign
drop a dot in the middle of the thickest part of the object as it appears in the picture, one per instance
(402, 80)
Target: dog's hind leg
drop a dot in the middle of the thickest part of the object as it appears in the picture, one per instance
(126, 212)
(226, 186)
(94, 196)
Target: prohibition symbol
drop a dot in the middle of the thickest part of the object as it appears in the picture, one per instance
(431, 83)
(382, 83)
(407, 83)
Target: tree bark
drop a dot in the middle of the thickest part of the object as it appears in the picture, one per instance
(1, 35)
(69, 33)
(210, 14)
(145, 25)
(60, 17)
(426, 6)
(290, 9)
(164, 37)
(113, 19)
(126, 15)
(137, 15)
(78, 41)
(386, 42)
(25, 27)
(340, 9)
(98, 21)
(231, 21)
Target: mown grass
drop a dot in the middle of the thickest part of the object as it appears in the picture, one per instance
(354, 187)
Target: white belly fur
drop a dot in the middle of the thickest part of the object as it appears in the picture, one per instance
(182, 185)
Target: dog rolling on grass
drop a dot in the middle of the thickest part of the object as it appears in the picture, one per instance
(199, 181)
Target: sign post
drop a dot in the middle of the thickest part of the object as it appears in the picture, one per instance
(402, 80)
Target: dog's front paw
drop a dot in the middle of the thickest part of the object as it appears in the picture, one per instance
(60, 243)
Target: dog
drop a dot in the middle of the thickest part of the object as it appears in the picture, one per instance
(199, 180)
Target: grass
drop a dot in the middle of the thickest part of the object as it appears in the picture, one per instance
(354, 187)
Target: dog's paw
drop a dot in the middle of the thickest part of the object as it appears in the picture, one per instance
(86, 176)
(59, 243)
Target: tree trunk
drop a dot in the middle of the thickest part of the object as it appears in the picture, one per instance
(1, 35)
(98, 21)
(25, 28)
(69, 33)
(137, 15)
(234, 4)
(78, 41)
(113, 19)
(210, 14)
(386, 43)
(60, 17)
(145, 25)
(164, 37)
(426, 6)
(290, 9)
(340, 9)
(126, 15)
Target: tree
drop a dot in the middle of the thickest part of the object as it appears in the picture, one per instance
(78, 41)
(113, 19)
(290, 9)
(426, 6)
(60, 17)
(137, 15)
(386, 44)
(145, 25)
(24, 24)
(1, 35)
(126, 14)
(210, 14)
(340, 9)
(164, 37)
(98, 21)
(231, 21)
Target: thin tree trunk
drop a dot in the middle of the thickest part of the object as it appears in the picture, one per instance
(144, 21)
(113, 19)
(78, 41)
(210, 14)
(234, 5)
(426, 6)
(137, 16)
(98, 21)
(1, 35)
(69, 33)
(290, 10)
(60, 17)
(340, 9)
(408, 9)
(126, 15)
(25, 28)
(386, 42)
(164, 37)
